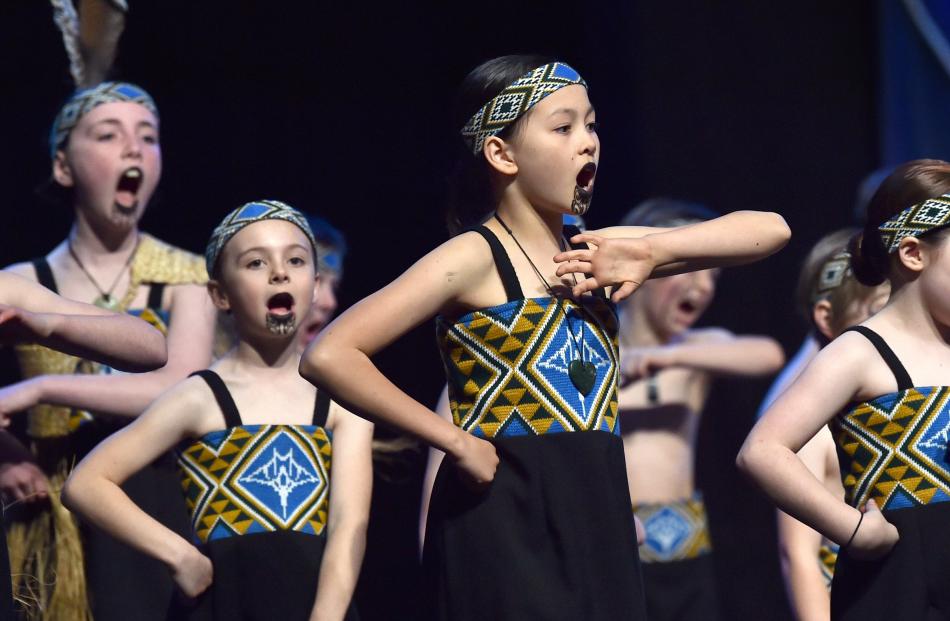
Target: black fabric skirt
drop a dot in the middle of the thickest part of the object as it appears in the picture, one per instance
(551, 539)
(912, 582)
(262, 577)
(683, 590)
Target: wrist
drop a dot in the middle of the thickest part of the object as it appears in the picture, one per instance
(174, 554)
(49, 324)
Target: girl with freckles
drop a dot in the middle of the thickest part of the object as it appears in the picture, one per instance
(530, 516)
(106, 163)
(881, 387)
(277, 533)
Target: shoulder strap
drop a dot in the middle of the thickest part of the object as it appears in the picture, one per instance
(232, 418)
(322, 409)
(570, 231)
(155, 291)
(893, 362)
(44, 274)
(505, 269)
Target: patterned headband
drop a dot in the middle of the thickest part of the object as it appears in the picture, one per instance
(916, 220)
(516, 99)
(248, 214)
(84, 100)
(833, 273)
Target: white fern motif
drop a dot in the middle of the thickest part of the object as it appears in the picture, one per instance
(282, 474)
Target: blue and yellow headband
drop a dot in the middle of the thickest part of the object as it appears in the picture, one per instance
(248, 214)
(84, 100)
(516, 99)
(833, 273)
(916, 220)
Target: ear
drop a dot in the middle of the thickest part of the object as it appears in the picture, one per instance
(911, 254)
(218, 296)
(499, 155)
(823, 315)
(62, 173)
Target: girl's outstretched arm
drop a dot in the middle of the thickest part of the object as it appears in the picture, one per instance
(626, 256)
(93, 489)
(351, 483)
(828, 384)
(339, 360)
(711, 350)
(31, 313)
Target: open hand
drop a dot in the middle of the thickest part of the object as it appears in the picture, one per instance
(875, 537)
(477, 461)
(193, 573)
(23, 482)
(621, 263)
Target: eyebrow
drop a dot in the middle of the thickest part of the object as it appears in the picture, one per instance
(117, 122)
(266, 249)
(572, 111)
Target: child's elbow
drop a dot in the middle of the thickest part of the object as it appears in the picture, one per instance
(315, 362)
(773, 356)
(70, 493)
(748, 457)
(779, 230)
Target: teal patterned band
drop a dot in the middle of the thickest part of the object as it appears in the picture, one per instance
(516, 99)
(833, 272)
(916, 220)
(248, 214)
(84, 100)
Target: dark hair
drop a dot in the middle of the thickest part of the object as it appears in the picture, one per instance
(470, 195)
(665, 212)
(911, 183)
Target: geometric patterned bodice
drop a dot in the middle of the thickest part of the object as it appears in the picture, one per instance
(256, 479)
(893, 448)
(507, 365)
(250, 479)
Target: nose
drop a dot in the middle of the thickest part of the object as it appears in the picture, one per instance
(133, 148)
(589, 141)
(279, 273)
(704, 281)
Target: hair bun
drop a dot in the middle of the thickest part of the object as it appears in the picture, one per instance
(869, 259)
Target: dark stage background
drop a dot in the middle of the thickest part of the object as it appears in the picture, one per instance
(343, 109)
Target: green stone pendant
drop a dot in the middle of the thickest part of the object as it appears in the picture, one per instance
(107, 302)
(582, 374)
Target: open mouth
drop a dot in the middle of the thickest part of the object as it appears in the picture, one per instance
(687, 307)
(126, 191)
(585, 178)
(280, 304)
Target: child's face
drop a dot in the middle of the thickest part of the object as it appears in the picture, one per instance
(324, 305)
(114, 161)
(267, 278)
(935, 279)
(558, 138)
(673, 304)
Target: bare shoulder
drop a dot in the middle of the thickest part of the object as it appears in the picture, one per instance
(189, 405)
(23, 269)
(468, 252)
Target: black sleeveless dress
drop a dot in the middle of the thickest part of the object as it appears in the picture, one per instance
(553, 537)
(124, 584)
(893, 448)
(259, 497)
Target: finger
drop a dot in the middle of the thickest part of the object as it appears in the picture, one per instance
(588, 284)
(624, 291)
(870, 505)
(587, 238)
(6, 314)
(574, 267)
(573, 255)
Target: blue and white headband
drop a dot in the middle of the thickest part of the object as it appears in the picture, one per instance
(246, 215)
(833, 273)
(914, 221)
(84, 100)
(516, 99)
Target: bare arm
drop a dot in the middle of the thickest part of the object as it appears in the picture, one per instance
(93, 491)
(351, 482)
(626, 256)
(33, 313)
(768, 455)
(190, 335)
(433, 462)
(799, 545)
(339, 358)
(713, 351)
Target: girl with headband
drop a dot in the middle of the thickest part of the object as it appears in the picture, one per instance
(832, 300)
(277, 533)
(667, 370)
(106, 161)
(881, 387)
(530, 516)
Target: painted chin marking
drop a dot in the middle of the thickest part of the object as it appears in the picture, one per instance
(282, 324)
(581, 201)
